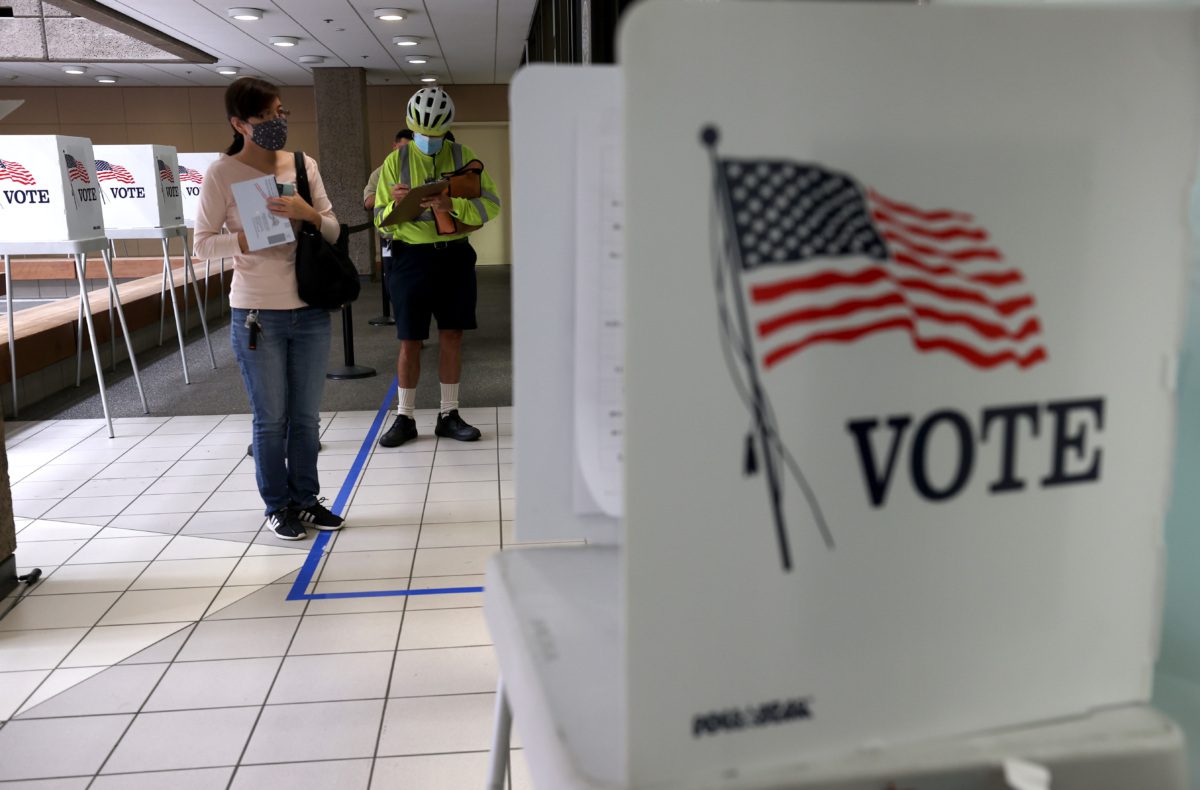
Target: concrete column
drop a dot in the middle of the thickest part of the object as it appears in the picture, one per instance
(341, 101)
(8, 533)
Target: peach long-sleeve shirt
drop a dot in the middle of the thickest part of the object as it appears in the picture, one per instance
(263, 279)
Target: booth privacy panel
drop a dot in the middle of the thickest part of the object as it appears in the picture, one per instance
(48, 189)
(905, 291)
(141, 186)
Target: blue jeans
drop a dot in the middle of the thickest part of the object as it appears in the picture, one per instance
(284, 377)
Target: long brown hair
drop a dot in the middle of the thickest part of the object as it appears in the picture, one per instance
(244, 99)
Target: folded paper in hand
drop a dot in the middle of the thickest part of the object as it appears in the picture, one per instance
(262, 228)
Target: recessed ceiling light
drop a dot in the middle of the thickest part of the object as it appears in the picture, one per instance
(284, 41)
(245, 14)
(390, 14)
(405, 41)
(417, 60)
(312, 58)
(75, 69)
(228, 70)
(106, 79)
(428, 78)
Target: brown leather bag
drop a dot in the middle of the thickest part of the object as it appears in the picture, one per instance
(466, 182)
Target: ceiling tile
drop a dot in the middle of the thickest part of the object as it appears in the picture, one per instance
(470, 41)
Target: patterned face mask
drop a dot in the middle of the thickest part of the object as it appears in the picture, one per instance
(271, 135)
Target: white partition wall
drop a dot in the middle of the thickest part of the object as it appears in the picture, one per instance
(192, 168)
(48, 189)
(140, 185)
(552, 115)
(904, 293)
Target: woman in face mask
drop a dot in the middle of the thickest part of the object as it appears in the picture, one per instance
(281, 344)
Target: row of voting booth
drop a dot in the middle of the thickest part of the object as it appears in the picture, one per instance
(902, 290)
(64, 196)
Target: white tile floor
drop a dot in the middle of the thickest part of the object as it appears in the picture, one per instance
(160, 649)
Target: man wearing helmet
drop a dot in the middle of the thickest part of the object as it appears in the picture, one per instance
(432, 273)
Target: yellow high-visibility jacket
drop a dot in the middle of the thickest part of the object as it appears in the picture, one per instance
(407, 165)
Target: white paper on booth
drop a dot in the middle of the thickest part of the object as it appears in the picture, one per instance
(262, 228)
(599, 315)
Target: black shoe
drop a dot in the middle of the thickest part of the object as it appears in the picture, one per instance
(404, 429)
(452, 426)
(320, 517)
(285, 525)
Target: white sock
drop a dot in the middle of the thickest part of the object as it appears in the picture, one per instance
(408, 400)
(449, 398)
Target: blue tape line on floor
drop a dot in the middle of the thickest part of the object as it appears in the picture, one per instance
(309, 569)
(384, 593)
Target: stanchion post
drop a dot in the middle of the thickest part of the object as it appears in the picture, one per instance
(385, 319)
(349, 370)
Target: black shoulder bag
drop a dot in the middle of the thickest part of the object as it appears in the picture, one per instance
(325, 275)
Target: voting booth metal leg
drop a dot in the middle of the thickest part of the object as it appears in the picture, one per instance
(162, 306)
(80, 263)
(221, 283)
(207, 275)
(169, 277)
(188, 271)
(501, 730)
(112, 326)
(186, 308)
(79, 346)
(12, 340)
(114, 300)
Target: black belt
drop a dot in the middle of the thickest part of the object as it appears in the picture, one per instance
(434, 245)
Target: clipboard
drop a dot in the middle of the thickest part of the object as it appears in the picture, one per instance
(408, 209)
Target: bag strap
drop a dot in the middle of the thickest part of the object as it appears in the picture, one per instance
(302, 187)
(302, 178)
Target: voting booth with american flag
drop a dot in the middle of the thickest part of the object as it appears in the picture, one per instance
(192, 167)
(904, 297)
(141, 186)
(48, 189)
(51, 203)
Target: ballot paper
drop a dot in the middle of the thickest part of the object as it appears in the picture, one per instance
(599, 317)
(262, 228)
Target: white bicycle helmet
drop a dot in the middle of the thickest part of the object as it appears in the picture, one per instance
(430, 111)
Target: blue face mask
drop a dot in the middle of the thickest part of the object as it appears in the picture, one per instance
(427, 145)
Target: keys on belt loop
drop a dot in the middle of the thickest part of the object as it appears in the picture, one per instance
(254, 327)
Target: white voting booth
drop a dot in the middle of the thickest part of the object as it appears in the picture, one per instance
(898, 405)
(51, 204)
(49, 189)
(143, 201)
(192, 169)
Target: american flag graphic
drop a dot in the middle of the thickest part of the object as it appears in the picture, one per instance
(106, 171)
(164, 173)
(825, 259)
(13, 171)
(188, 174)
(76, 170)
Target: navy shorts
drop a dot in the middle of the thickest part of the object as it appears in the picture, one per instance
(431, 282)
